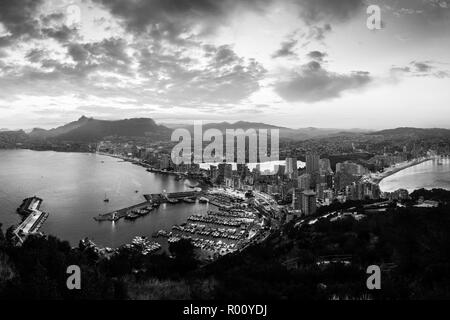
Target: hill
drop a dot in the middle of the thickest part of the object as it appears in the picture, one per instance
(38, 133)
(90, 130)
(10, 139)
(414, 132)
(285, 133)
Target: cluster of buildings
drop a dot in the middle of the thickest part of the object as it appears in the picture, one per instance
(318, 182)
(303, 189)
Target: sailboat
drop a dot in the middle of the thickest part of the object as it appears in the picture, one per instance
(106, 199)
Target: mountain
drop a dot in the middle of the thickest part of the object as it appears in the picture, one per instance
(4, 129)
(285, 133)
(38, 133)
(91, 130)
(409, 132)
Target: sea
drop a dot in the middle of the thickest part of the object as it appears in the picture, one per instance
(74, 186)
(430, 174)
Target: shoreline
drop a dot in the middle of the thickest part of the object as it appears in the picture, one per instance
(394, 169)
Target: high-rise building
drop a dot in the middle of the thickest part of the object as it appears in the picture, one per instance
(320, 188)
(213, 173)
(228, 170)
(312, 163)
(325, 166)
(291, 168)
(280, 170)
(225, 170)
(304, 181)
(297, 199)
(312, 167)
(308, 202)
(165, 162)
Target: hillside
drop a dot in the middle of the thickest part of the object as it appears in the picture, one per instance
(38, 133)
(414, 132)
(10, 139)
(89, 129)
(285, 133)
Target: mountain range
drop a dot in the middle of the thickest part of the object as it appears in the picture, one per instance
(91, 130)
(285, 133)
(409, 132)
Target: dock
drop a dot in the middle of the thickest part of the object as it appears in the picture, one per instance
(151, 199)
(35, 218)
(166, 197)
(119, 214)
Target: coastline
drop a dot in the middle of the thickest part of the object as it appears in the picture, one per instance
(397, 168)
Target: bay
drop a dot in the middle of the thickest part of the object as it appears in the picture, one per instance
(73, 187)
(430, 174)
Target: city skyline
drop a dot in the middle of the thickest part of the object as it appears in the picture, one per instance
(178, 61)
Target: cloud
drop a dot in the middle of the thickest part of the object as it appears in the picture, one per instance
(313, 11)
(170, 18)
(36, 55)
(315, 33)
(313, 83)
(19, 17)
(422, 69)
(78, 52)
(286, 49)
(422, 66)
(317, 55)
(62, 34)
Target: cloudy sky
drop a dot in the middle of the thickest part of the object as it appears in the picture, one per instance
(296, 63)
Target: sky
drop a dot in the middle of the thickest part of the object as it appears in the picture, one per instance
(293, 63)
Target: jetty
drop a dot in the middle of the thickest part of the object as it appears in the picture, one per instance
(121, 213)
(168, 197)
(150, 200)
(34, 218)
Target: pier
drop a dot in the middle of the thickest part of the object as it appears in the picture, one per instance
(33, 221)
(151, 199)
(119, 214)
(166, 197)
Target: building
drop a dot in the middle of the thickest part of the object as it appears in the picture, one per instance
(291, 168)
(351, 168)
(304, 181)
(297, 199)
(280, 170)
(312, 163)
(325, 166)
(165, 162)
(213, 173)
(312, 167)
(308, 202)
(328, 196)
(320, 188)
(225, 170)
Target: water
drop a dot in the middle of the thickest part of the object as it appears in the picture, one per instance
(73, 187)
(426, 175)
